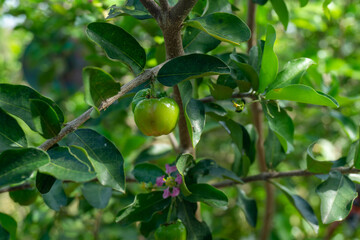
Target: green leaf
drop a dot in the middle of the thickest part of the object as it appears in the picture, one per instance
(274, 153)
(220, 92)
(303, 94)
(347, 124)
(55, 198)
(197, 41)
(183, 162)
(225, 27)
(195, 230)
(269, 62)
(132, 8)
(16, 165)
(9, 224)
(248, 206)
(66, 166)
(292, 73)
(143, 208)
(118, 45)
(303, 3)
(209, 167)
(282, 125)
(207, 194)
(301, 205)
(357, 155)
(337, 194)
(103, 155)
(45, 119)
(235, 130)
(190, 66)
(315, 165)
(15, 99)
(260, 2)
(146, 172)
(98, 86)
(44, 182)
(214, 109)
(4, 235)
(11, 134)
(96, 195)
(281, 10)
(326, 9)
(154, 152)
(217, 6)
(195, 119)
(249, 72)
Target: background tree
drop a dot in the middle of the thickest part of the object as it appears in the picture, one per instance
(255, 109)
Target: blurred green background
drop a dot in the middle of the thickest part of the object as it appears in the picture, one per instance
(43, 44)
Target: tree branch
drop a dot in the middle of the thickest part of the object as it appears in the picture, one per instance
(74, 124)
(152, 7)
(273, 175)
(181, 10)
(164, 4)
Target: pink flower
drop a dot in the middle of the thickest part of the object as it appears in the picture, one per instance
(172, 183)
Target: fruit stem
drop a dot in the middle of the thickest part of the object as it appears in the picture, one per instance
(170, 210)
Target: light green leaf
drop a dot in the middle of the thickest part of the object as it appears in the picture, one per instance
(195, 119)
(282, 11)
(15, 99)
(190, 66)
(315, 165)
(153, 152)
(98, 86)
(66, 166)
(326, 9)
(45, 119)
(303, 94)
(131, 8)
(16, 165)
(104, 156)
(222, 26)
(207, 194)
(183, 162)
(292, 73)
(11, 134)
(269, 62)
(347, 124)
(118, 45)
(337, 194)
(96, 195)
(9, 224)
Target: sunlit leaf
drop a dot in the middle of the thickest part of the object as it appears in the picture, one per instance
(11, 134)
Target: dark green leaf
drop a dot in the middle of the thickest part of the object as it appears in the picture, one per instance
(146, 172)
(260, 2)
(190, 66)
(195, 119)
(241, 164)
(292, 73)
(4, 235)
(44, 182)
(274, 153)
(317, 165)
(183, 162)
(15, 99)
(337, 194)
(218, 6)
(97, 196)
(222, 26)
(220, 92)
(213, 108)
(357, 154)
(98, 86)
(197, 41)
(347, 124)
(104, 156)
(135, 9)
(235, 130)
(157, 219)
(16, 165)
(118, 44)
(154, 152)
(207, 194)
(55, 198)
(66, 166)
(281, 124)
(302, 93)
(250, 73)
(45, 119)
(281, 10)
(303, 3)
(269, 62)
(9, 224)
(143, 208)
(248, 206)
(209, 167)
(195, 230)
(11, 134)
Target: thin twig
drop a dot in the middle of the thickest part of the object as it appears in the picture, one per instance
(74, 124)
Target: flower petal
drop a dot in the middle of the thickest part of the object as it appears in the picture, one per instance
(178, 179)
(160, 181)
(170, 169)
(166, 193)
(175, 192)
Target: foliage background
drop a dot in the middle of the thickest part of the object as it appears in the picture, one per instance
(43, 44)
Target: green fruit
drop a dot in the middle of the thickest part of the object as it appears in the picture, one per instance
(155, 117)
(24, 197)
(175, 231)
